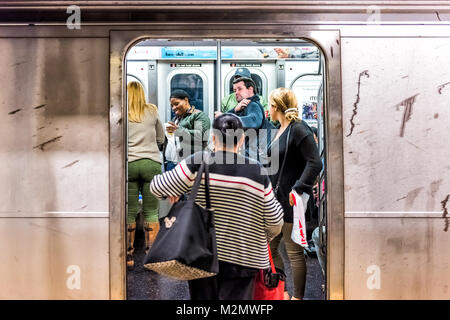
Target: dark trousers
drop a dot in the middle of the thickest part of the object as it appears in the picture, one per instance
(296, 258)
(233, 282)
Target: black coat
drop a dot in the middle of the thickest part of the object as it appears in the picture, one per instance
(302, 166)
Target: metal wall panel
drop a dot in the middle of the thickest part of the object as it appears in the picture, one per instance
(409, 257)
(54, 150)
(234, 10)
(54, 258)
(54, 141)
(54, 134)
(395, 97)
(396, 120)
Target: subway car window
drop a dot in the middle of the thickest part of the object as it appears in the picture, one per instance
(306, 90)
(192, 84)
(258, 82)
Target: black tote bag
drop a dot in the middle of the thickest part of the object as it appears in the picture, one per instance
(185, 247)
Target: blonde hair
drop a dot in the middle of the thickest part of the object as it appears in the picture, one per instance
(285, 101)
(136, 102)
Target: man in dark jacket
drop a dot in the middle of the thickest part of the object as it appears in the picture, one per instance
(251, 113)
(229, 102)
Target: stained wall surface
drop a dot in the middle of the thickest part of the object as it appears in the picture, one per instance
(54, 151)
(396, 119)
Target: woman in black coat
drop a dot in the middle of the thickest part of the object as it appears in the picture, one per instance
(302, 166)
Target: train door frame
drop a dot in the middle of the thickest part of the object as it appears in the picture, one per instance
(138, 77)
(328, 41)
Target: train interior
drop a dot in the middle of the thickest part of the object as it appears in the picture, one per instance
(205, 69)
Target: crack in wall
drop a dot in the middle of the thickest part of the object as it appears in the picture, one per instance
(20, 109)
(445, 213)
(42, 145)
(15, 111)
(442, 87)
(18, 63)
(70, 164)
(355, 104)
(407, 113)
(418, 148)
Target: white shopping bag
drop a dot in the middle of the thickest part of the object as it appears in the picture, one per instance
(171, 148)
(298, 234)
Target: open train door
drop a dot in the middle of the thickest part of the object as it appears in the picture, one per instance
(332, 200)
(309, 89)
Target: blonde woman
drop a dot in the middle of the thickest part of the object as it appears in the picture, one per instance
(145, 132)
(301, 168)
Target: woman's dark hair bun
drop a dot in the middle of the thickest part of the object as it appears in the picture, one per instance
(229, 126)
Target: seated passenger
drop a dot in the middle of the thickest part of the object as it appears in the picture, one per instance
(189, 127)
(247, 215)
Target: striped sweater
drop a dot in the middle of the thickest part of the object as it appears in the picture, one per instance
(246, 213)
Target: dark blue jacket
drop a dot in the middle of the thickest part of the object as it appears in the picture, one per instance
(252, 115)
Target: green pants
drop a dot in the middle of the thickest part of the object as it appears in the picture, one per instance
(140, 174)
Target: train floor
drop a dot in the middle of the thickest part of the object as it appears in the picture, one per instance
(143, 284)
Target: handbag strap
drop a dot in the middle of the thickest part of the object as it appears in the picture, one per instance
(204, 168)
(284, 159)
(272, 266)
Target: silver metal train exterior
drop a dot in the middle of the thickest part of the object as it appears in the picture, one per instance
(386, 113)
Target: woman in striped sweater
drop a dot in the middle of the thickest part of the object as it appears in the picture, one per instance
(246, 213)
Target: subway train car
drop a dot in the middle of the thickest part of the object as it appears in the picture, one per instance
(378, 73)
(162, 66)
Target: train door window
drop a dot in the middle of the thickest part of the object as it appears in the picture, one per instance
(193, 85)
(256, 78)
(306, 90)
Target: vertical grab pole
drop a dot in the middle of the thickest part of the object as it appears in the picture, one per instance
(218, 76)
